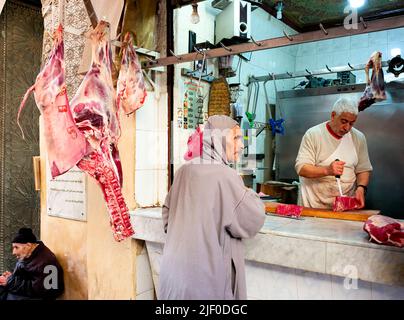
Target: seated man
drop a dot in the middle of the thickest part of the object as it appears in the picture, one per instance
(330, 149)
(37, 274)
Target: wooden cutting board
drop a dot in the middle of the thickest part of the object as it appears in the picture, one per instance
(356, 215)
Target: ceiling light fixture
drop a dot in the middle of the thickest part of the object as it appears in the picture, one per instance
(279, 7)
(356, 3)
(195, 16)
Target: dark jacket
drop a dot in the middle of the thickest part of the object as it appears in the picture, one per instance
(40, 276)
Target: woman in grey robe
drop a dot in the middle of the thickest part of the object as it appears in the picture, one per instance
(206, 214)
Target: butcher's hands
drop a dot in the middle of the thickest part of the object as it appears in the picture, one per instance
(336, 168)
(360, 197)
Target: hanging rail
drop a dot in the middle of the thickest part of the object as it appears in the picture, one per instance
(337, 32)
(301, 74)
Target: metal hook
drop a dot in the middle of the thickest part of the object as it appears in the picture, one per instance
(178, 58)
(322, 28)
(287, 36)
(363, 22)
(226, 48)
(259, 44)
(151, 61)
(308, 72)
(350, 66)
(328, 68)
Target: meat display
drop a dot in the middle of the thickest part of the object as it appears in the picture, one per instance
(375, 86)
(65, 144)
(289, 210)
(342, 203)
(131, 91)
(95, 114)
(385, 230)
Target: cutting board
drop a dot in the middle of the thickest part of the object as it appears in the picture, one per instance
(356, 215)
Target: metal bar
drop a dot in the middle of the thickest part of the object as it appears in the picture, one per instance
(372, 26)
(301, 74)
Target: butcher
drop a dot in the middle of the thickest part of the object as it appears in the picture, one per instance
(329, 149)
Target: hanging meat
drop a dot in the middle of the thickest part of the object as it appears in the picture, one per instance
(374, 91)
(65, 144)
(385, 230)
(95, 114)
(131, 90)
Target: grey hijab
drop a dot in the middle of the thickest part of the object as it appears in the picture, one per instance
(214, 138)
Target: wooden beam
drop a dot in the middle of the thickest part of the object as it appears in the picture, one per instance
(91, 12)
(372, 26)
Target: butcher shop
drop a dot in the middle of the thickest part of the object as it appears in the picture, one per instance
(201, 150)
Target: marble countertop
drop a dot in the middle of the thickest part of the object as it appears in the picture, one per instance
(320, 229)
(327, 246)
(311, 228)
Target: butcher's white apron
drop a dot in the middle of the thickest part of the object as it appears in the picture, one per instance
(321, 192)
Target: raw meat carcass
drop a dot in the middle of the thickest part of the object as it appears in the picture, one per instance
(385, 230)
(289, 210)
(131, 91)
(65, 144)
(95, 114)
(375, 86)
(342, 203)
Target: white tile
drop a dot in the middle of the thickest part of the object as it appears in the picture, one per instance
(395, 35)
(162, 185)
(270, 282)
(360, 41)
(340, 58)
(307, 49)
(162, 150)
(146, 115)
(146, 187)
(155, 252)
(377, 38)
(144, 280)
(324, 46)
(386, 292)
(350, 289)
(323, 60)
(359, 56)
(162, 117)
(313, 285)
(146, 150)
(148, 295)
(341, 44)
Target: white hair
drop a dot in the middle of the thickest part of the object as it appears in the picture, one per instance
(345, 105)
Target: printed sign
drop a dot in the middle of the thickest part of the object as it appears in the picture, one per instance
(66, 194)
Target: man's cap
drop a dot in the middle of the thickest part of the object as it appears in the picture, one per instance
(25, 235)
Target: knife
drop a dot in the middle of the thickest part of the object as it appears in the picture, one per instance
(339, 182)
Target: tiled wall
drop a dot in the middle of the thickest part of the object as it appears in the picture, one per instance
(271, 282)
(151, 173)
(354, 50)
(144, 279)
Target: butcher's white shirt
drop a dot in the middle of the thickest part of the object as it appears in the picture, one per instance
(320, 148)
